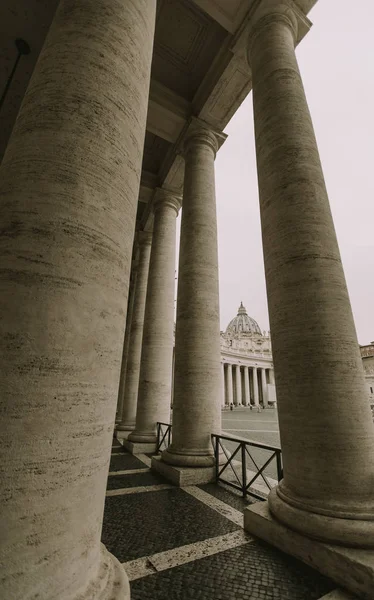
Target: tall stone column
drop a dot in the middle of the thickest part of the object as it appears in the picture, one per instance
(255, 386)
(326, 429)
(126, 343)
(264, 387)
(229, 384)
(238, 385)
(271, 377)
(69, 186)
(136, 336)
(247, 397)
(196, 412)
(154, 396)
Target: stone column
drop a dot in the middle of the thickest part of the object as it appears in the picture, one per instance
(247, 397)
(196, 412)
(255, 386)
(229, 384)
(136, 336)
(238, 385)
(271, 377)
(126, 343)
(154, 397)
(69, 186)
(326, 428)
(223, 385)
(264, 387)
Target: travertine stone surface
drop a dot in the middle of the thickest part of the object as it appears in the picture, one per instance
(255, 386)
(238, 385)
(69, 186)
(126, 343)
(264, 386)
(229, 388)
(197, 377)
(136, 335)
(353, 568)
(247, 398)
(154, 396)
(326, 429)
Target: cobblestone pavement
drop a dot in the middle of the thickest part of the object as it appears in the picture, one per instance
(177, 545)
(260, 427)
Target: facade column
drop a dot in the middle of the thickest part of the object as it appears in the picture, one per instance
(223, 386)
(69, 193)
(271, 377)
(255, 386)
(154, 396)
(238, 385)
(326, 428)
(126, 342)
(247, 397)
(229, 385)
(136, 336)
(264, 387)
(196, 412)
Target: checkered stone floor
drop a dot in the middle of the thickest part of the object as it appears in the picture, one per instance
(188, 544)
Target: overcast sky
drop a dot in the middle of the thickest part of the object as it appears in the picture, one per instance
(336, 60)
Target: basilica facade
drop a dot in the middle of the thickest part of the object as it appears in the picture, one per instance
(247, 363)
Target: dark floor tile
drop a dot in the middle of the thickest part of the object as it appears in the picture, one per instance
(116, 482)
(142, 524)
(228, 495)
(251, 572)
(125, 461)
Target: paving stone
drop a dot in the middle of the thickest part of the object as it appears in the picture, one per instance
(124, 462)
(138, 525)
(254, 571)
(116, 482)
(230, 497)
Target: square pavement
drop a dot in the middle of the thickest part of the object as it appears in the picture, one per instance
(184, 544)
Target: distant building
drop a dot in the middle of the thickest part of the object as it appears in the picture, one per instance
(247, 363)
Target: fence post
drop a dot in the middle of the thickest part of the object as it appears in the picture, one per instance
(279, 465)
(158, 438)
(244, 469)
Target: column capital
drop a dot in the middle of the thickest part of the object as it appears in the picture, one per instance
(164, 197)
(273, 12)
(199, 132)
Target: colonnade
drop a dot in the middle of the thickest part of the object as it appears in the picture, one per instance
(245, 385)
(69, 186)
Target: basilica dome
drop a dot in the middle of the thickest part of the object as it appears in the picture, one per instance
(242, 323)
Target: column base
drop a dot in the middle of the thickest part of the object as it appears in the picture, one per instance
(139, 447)
(183, 476)
(187, 459)
(349, 530)
(122, 434)
(111, 582)
(351, 568)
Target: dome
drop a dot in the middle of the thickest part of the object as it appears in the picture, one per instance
(242, 323)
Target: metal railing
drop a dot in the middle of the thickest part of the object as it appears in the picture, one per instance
(163, 436)
(240, 472)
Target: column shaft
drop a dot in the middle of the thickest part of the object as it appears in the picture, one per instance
(247, 398)
(196, 411)
(136, 335)
(255, 386)
(264, 387)
(326, 428)
(223, 385)
(154, 397)
(126, 344)
(69, 185)
(238, 385)
(229, 384)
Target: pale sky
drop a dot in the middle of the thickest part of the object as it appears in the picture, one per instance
(336, 61)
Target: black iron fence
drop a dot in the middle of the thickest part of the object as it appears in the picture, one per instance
(242, 455)
(163, 436)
